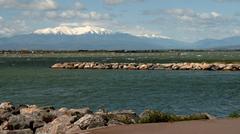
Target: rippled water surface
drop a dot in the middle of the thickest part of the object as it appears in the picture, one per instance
(29, 80)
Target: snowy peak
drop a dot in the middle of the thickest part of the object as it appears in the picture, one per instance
(70, 30)
(154, 36)
(77, 30)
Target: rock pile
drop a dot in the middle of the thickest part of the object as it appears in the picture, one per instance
(30, 119)
(148, 66)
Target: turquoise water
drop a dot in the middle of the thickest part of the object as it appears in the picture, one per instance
(31, 81)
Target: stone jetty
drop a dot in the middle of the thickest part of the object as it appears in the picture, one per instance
(148, 66)
(31, 119)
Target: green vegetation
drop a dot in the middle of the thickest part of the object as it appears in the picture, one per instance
(152, 116)
(235, 115)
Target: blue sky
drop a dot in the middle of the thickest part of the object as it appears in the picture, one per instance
(185, 20)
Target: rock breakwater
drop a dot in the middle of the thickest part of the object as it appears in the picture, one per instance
(148, 66)
(31, 119)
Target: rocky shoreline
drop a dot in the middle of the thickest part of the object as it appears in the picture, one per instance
(148, 66)
(31, 119)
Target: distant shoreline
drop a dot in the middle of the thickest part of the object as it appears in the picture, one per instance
(111, 51)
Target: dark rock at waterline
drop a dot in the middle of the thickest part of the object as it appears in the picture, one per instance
(124, 116)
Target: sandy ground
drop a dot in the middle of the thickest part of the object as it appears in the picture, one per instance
(224, 126)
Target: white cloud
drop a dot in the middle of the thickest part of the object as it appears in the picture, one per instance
(79, 5)
(76, 14)
(215, 14)
(8, 28)
(227, 0)
(190, 15)
(191, 25)
(117, 2)
(113, 2)
(34, 4)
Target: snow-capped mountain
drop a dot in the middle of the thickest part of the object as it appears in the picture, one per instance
(69, 30)
(97, 38)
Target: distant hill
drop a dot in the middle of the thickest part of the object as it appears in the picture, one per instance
(95, 38)
(226, 43)
(89, 38)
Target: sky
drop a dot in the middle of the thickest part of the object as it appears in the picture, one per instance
(184, 20)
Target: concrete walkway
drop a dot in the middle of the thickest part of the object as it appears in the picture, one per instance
(224, 126)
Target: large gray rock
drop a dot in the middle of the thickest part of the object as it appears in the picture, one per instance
(91, 121)
(18, 122)
(45, 114)
(58, 126)
(79, 112)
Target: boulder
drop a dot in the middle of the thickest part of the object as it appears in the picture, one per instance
(5, 116)
(124, 116)
(79, 112)
(153, 116)
(115, 65)
(45, 114)
(29, 110)
(81, 65)
(132, 67)
(23, 131)
(89, 65)
(18, 122)
(57, 66)
(125, 66)
(229, 67)
(168, 66)
(69, 65)
(206, 66)
(58, 126)
(7, 106)
(107, 66)
(220, 66)
(89, 121)
(175, 67)
(23, 122)
(186, 66)
(196, 116)
(143, 67)
(99, 66)
(197, 66)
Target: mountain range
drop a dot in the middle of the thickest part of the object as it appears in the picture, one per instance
(96, 38)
